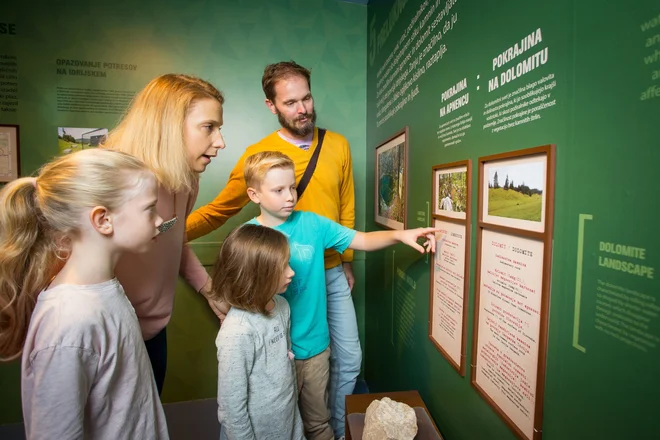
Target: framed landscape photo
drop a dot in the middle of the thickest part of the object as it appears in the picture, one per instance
(391, 174)
(9, 153)
(451, 190)
(514, 188)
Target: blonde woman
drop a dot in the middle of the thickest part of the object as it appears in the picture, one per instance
(173, 126)
(85, 371)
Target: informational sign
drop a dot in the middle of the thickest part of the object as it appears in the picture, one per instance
(448, 292)
(9, 153)
(509, 322)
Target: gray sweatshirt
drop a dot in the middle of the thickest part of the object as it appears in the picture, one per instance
(257, 397)
(85, 369)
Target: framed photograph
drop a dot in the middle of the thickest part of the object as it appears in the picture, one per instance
(391, 176)
(451, 189)
(514, 189)
(10, 165)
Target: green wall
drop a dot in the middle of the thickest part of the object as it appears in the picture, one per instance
(603, 120)
(604, 57)
(228, 43)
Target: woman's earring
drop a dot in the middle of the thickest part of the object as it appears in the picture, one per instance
(167, 225)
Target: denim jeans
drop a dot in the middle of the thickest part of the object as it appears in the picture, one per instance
(346, 353)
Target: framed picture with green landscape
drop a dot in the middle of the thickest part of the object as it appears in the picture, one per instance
(391, 176)
(514, 188)
(451, 189)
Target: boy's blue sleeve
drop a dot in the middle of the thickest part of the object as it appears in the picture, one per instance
(335, 236)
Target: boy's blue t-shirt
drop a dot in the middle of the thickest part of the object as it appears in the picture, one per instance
(309, 236)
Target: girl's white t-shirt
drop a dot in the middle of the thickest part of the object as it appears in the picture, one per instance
(85, 369)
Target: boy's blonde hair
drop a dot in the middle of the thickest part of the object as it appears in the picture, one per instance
(38, 214)
(152, 128)
(250, 266)
(259, 164)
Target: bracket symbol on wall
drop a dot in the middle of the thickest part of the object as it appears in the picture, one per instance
(582, 218)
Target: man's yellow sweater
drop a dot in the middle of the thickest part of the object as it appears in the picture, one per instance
(330, 192)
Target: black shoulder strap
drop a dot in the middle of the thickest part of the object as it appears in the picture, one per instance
(311, 166)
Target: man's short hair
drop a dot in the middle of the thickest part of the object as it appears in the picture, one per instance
(279, 71)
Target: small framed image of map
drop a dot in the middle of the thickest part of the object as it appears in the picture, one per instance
(9, 153)
(391, 176)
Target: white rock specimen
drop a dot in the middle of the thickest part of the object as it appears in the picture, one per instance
(389, 420)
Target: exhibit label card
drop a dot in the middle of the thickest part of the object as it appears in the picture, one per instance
(511, 276)
(448, 290)
(9, 166)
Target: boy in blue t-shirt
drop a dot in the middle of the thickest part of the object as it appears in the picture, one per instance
(271, 183)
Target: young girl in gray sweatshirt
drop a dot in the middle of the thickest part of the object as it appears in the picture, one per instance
(257, 396)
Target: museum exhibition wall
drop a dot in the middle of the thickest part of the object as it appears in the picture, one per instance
(527, 132)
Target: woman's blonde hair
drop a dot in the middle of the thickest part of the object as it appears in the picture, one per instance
(152, 128)
(38, 214)
(250, 266)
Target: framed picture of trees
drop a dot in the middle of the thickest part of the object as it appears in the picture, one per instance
(513, 190)
(391, 176)
(450, 190)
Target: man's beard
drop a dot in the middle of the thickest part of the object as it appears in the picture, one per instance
(301, 131)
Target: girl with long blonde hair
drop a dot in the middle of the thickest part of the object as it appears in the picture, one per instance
(84, 371)
(173, 126)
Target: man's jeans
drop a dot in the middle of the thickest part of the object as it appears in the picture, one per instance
(346, 354)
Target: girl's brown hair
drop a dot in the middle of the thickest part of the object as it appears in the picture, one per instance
(152, 128)
(250, 266)
(38, 213)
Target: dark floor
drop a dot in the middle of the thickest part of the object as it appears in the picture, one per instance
(196, 419)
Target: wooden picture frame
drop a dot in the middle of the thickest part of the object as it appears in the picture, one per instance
(10, 153)
(454, 217)
(456, 201)
(523, 208)
(538, 240)
(391, 181)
